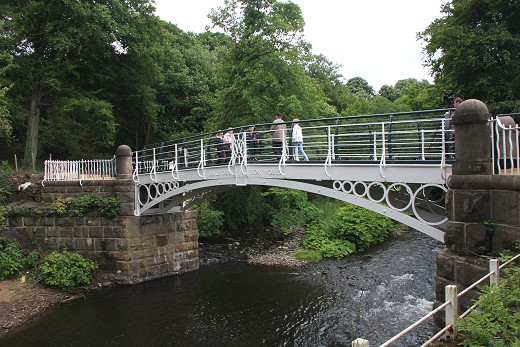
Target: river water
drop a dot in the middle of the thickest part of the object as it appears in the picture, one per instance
(372, 295)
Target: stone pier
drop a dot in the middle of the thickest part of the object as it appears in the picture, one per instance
(129, 249)
(483, 209)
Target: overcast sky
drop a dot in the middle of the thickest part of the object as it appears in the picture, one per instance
(373, 39)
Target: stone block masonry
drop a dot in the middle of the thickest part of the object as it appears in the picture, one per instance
(483, 209)
(129, 249)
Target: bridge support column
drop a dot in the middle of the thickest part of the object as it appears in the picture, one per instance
(483, 209)
(129, 249)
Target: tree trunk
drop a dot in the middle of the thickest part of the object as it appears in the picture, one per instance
(33, 125)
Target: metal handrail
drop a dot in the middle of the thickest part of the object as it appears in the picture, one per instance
(79, 170)
(407, 139)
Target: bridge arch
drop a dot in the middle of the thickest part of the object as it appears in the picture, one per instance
(192, 193)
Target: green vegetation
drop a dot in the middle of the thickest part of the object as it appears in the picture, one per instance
(496, 320)
(209, 221)
(144, 80)
(83, 204)
(308, 255)
(12, 260)
(349, 229)
(66, 270)
(474, 50)
(334, 229)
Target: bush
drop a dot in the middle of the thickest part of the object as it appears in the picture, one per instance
(496, 321)
(362, 227)
(209, 221)
(320, 239)
(343, 229)
(85, 203)
(66, 270)
(12, 260)
(288, 207)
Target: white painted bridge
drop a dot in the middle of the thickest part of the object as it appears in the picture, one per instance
(392, 164)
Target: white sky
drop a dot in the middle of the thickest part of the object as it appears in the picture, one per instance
(373, 39)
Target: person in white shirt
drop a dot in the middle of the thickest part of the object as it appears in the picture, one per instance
(297, 141)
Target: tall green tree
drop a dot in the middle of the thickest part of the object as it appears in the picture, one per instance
(263, 71)
(474, 49)
(359, 86)
(65, 49)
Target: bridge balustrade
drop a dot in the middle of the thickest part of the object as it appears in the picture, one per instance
(384, 139)
(505, 140)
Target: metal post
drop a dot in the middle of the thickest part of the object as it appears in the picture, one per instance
(360, 343)
(494, 269)
(452, 308)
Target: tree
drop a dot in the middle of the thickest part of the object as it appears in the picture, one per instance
(389, 92)
(263, 71)
(64, 49)
(475, 49)
(360, 86)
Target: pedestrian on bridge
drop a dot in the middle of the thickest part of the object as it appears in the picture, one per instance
(297, 141)
(252, 142)
(229, 140)
(220, 147)
(278, 135)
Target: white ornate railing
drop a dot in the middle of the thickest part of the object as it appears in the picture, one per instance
(79, 170)
(414, 137)
(505, 141)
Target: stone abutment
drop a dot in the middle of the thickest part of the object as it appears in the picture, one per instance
(483, 209)
(129, 249)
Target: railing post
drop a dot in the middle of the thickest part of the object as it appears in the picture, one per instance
(494, 269)
(360, 343)
(452, 308)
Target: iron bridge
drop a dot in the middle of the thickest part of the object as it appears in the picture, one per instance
(393, 164)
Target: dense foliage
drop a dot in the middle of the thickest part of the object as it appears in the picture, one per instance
(78, 78)
(12, 259)
(66, 270)
(496, 321)
(347, 229)
(475, 48)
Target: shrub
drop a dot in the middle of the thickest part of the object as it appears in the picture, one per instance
(343, 229)
(110, 206)
(320, 239)
(362, 227)
(496, 321)
(66, 270)
(60, 206)
(209, 221)
(12, 260)
(288, 207)
(83, 204)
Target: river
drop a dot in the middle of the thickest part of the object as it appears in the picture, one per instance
(372, 295)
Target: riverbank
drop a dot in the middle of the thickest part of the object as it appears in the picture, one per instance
(21, 302)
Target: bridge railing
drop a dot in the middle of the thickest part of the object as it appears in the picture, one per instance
(79, 170)
(383, 139)
(450, 307)
(505, 141)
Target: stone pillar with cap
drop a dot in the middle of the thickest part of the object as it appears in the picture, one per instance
(483, 209)
(468, 203)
